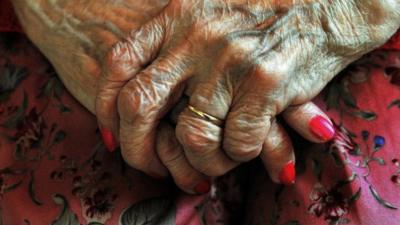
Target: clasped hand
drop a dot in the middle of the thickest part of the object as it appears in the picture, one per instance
(241, 62)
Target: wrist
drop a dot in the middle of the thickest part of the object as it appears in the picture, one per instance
(358, 26)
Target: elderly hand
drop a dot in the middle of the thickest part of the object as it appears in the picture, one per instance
(75, 35)
(187, 38)
(242, 62)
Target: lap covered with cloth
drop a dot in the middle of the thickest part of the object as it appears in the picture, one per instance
(54, 168)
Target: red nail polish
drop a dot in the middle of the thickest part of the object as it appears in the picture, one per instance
(108, 139)
(287, 175)
(203, 187)
(322, 128)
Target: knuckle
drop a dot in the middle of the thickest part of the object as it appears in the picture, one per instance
(277, 77)
(196, 142)
(245, 120)
(242, 45)
(157, 82)
(117, 56)
(196, 136)
(235, 49)
(137, 99)
(244, 135)
(240, 150)
(122, 61)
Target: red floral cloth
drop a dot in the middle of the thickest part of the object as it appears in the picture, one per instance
(393, 43)
(55, 170)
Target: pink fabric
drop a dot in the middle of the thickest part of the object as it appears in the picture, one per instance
(393, 43)
(375, 183)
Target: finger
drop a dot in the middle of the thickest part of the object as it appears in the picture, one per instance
(202, 145)
(122, 63)
(172, 156)
(278, 156)
(310, 122)
(201, 138)
(248, 121)
(142, 102)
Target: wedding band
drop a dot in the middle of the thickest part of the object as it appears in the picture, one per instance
(206, 116)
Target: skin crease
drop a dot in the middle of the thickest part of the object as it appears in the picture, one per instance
(240, 76)
(234, 48)
(76, 45)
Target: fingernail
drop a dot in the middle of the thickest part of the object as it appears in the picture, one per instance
(108, 139)
(203, 187)
(322, 128)
(287, 175)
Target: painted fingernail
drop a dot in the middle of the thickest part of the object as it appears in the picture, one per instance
(203, 187)
(287, 175)
(322, 128)
(108, 139)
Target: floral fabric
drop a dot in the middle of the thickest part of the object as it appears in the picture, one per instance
(55, 170)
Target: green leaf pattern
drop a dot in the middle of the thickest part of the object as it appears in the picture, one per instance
(66, 216)
(156, 211)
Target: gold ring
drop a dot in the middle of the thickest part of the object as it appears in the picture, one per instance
(206, 116)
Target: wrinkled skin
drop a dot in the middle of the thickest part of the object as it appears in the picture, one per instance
(246, 61)
(243, 62)
(76, 35)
